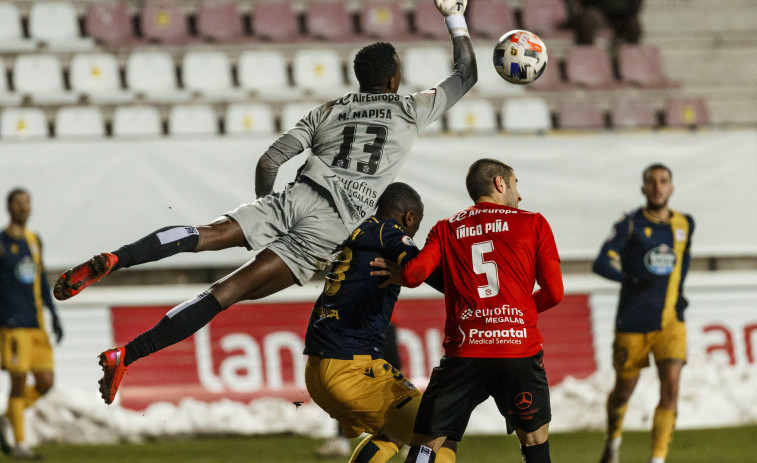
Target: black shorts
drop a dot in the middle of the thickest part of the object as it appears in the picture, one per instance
(459, 384)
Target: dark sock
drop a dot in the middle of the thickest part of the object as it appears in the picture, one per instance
(420, 454)
(536, 453)
(178, 324)
(157, 245)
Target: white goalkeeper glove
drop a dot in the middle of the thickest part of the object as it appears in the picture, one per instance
(451, 7)
(453, 11)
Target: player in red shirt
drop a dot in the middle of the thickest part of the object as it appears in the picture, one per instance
(490, 255)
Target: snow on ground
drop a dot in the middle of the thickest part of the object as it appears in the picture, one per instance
(710, 396)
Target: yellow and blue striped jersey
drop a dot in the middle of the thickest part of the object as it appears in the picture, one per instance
(24, 289)
(352, 313)
(650, 258)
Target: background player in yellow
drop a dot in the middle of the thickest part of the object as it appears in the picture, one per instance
(648, 252)
(24, 345)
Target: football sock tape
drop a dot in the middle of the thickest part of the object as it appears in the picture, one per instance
(158, 245)
(420, 454)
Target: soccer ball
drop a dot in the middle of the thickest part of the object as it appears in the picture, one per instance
(520, 57)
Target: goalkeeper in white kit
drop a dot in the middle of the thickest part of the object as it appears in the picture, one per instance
(358, 142)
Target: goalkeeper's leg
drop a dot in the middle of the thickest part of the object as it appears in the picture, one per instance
(165, 242)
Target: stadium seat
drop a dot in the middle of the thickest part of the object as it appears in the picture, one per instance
(423, 67)
(330, 20)
(527, 114)
(96, 76)
(384, 19)
(428, 24)
(490, 83)
(275, 22)
(545, 18)
(291, 113)
(642, 65)
(56, 26)
(249, 118)
(192, 120)
(264, 72)
(632, 114)
(12, 38)
(580, 115)
(319, 72)
(589, 66)
(7, 98)
(41, 78)
(475, 116)
(164, 21)
(153, 75)
(22, 123)
(79, 121)
(685, 111)
(220, 22)
(551, 80)
(208, 73)
(110, 24)
(490, 18)
(136, 121)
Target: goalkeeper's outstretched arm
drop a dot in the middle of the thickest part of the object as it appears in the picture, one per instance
(465, 74)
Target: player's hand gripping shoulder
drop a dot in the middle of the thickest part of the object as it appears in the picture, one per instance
(451, 7)
(389, 269)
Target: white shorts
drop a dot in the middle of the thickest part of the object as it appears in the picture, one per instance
(299, 224)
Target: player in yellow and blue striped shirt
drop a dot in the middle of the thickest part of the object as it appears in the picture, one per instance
(648, 253)
(24, 344)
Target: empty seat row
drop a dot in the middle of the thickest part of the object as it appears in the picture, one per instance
(130, 121)
(591, 67)
(533, 114)
(264, 74)
(56, 24)
(467, 116)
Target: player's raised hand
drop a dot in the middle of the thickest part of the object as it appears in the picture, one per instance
(451, 7)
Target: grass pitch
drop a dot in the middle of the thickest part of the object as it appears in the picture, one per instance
(723, 445)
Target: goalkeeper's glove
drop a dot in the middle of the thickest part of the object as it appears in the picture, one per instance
(453, 11)
(451, 7)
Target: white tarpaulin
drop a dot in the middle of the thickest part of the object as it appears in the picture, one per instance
(93, 196)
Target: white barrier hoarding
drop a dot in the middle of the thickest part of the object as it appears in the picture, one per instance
(94, 196)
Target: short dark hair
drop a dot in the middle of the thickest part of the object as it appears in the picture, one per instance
(481, 175)
(655, 166)
(14, 192)
(398, 198)
(374, 65)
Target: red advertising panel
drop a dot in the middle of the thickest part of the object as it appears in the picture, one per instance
(255, 350)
